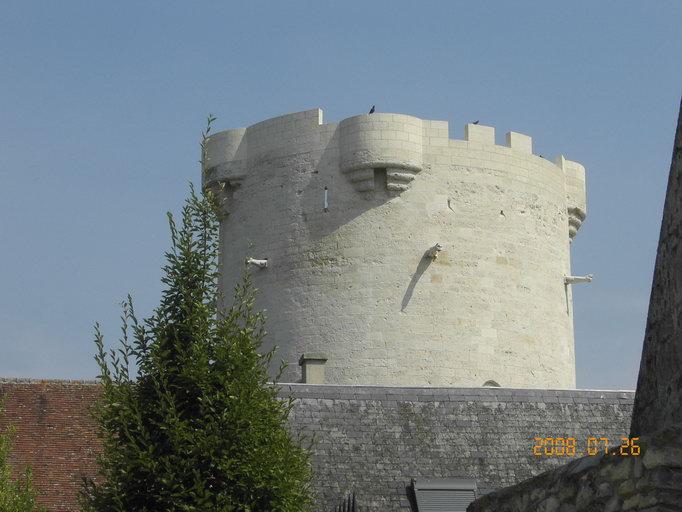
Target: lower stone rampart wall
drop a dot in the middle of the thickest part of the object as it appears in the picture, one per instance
(650, 482)
(370, 440)
(373, 440)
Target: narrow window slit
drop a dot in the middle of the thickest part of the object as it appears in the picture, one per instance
(380, 179)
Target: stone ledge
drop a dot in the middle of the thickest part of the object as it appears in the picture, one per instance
(24, 380)
(368, 392)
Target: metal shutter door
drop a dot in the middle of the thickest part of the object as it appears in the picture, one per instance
(445, 501)
(444, 495)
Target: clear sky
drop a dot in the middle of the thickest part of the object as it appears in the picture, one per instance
(102, 105)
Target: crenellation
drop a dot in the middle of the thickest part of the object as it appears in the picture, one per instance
(520, 142)
(479, 133)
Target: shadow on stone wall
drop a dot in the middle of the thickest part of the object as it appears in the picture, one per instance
(622, 480)
(607, 483)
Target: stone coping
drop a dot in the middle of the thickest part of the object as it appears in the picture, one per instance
(421, 393)
(25, 380)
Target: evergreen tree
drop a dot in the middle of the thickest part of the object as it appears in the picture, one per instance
(200, 428)
(16, 495)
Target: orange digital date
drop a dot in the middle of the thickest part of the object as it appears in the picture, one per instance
(568, 447)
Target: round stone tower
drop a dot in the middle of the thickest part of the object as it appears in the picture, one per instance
(397, 256)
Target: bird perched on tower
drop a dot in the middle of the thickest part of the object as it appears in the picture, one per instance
(371, 110)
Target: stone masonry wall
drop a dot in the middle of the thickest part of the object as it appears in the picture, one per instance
(353, 280)
(371, 440)
(650, 482)
(374, 440)
(659, 388)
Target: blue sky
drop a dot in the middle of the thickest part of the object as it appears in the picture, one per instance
(102, 105)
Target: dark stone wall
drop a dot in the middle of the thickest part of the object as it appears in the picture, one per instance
(374, 440)
(659, 388)
(613, 482)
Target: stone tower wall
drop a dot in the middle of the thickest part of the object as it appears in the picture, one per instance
(356, 282)
(659, 387)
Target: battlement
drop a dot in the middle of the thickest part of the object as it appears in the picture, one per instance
(227, 152)
(366, 140)
(402, 145)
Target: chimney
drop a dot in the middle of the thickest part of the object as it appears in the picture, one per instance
(312, 365)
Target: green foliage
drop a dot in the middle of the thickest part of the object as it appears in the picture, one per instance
(200, 428)
(16, 495)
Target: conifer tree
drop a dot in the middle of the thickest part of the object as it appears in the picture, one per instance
(200, 428)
